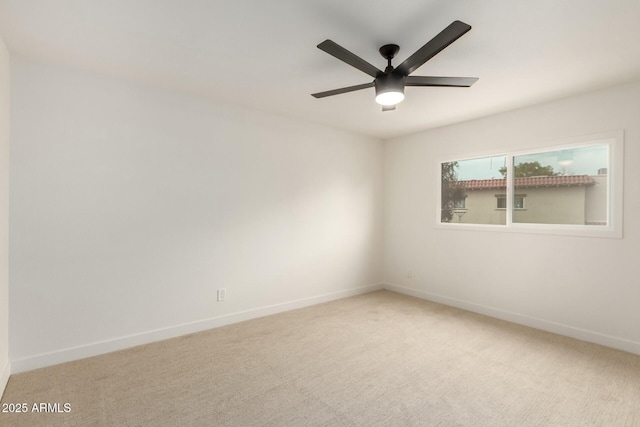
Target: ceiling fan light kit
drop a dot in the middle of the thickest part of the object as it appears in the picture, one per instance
(390, 83)
(389, 89)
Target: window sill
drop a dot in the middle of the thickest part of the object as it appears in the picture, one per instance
(601, 231)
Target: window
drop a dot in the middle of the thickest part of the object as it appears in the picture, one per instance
(518, 202)
(459, 204)
(573, 188)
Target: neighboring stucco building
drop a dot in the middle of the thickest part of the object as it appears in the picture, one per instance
(571, 199)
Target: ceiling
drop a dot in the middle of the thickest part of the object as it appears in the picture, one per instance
(262, 54)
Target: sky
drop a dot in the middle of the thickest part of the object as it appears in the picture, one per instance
(575, 161)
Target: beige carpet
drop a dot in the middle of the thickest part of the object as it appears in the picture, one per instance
(379, 359)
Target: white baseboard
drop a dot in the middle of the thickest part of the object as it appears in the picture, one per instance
(545, 325)
(4, 377)
(108, 346)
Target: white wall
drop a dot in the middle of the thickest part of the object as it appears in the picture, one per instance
(4, 217)
(580, 286)
(131, 205)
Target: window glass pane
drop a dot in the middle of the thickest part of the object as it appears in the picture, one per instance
(469, 189)
(563, 187)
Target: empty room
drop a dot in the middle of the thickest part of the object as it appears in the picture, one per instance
(319, 213)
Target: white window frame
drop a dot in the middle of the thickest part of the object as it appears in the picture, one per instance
(615, 171)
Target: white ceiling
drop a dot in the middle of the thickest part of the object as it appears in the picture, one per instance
(262, 54)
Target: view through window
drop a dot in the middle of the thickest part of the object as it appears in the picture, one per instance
(480, 184)
(565, 186)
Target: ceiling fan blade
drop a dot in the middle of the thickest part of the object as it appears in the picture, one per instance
(388, 107)
(342, 90)
(439, 81)
(334, 49)
(447, 36)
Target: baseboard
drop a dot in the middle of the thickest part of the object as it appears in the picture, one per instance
(545, 325)
(4, 377)
(108, 346)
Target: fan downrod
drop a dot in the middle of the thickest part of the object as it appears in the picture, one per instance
(388, 51)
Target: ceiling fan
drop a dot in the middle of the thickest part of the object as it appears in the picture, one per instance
(390, 83)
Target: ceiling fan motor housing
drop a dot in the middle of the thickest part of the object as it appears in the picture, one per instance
(389, 88)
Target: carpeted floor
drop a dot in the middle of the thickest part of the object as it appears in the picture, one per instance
(380, 359)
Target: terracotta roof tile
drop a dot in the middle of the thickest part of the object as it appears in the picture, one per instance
(533, 181)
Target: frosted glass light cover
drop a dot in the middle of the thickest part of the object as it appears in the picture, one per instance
(389, 98)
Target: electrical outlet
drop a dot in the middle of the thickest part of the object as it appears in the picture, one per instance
(410, 274)
(222, 294)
